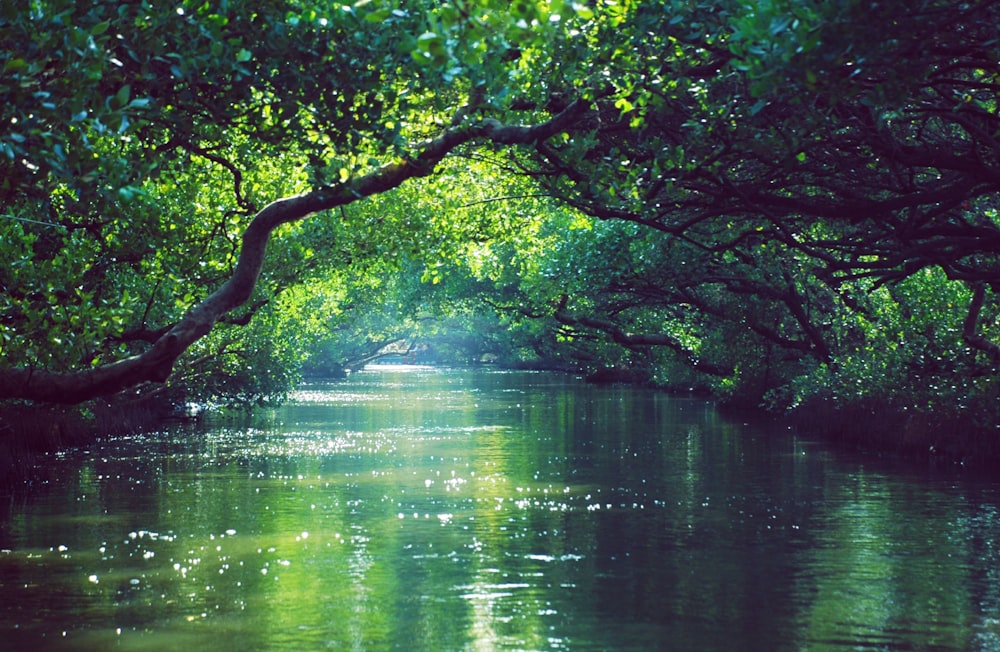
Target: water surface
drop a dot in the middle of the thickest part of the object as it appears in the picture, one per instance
(423, 509)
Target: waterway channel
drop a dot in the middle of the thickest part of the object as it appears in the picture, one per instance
(428, 509)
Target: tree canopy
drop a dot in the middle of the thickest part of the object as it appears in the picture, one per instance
(127, 124)
(776, 201)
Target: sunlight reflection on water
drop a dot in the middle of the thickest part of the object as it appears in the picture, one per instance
(446, 510)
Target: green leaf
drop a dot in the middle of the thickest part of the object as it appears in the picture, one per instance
(378, 15)
(429, 42)
(120, 99)
(583, 11)
(244, 55)
(624, 105)
(13, 65)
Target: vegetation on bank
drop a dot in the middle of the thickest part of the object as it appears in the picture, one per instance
(790, 205)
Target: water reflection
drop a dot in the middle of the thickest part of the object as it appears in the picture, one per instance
(438, 510)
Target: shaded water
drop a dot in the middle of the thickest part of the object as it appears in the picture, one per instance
(450, 510)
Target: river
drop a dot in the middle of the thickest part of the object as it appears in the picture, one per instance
(427, 509)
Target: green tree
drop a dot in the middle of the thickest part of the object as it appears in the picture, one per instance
(798, 157)
(772, 199)
(150, 152)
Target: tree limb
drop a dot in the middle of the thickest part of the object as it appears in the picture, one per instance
(969, 334)
(632, 340)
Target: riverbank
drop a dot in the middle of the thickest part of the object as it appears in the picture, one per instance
(30, 432)
(879, 429)
(871, 427)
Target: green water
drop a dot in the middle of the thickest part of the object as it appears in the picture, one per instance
(420, 509)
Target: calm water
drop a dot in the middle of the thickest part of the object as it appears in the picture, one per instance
(439, 510)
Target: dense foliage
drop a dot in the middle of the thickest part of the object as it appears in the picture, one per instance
(818, 189)
(151, 151)
(784, 202)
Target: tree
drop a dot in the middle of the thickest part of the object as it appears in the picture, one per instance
(144, 140)
(780, 196)
(799, 157)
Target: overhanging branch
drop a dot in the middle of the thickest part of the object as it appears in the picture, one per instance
(969, 327)
(636, 340)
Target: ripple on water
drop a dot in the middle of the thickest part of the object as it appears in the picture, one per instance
(482, 525)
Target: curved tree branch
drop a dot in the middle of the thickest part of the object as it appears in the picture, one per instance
(969, 332)
(156, 363)
(637, 340)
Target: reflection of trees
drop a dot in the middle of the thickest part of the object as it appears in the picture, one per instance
(706, 558)
(979, 528)
(518, 566)
(883, 574)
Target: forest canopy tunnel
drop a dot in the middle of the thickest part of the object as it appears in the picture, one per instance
(778, 202)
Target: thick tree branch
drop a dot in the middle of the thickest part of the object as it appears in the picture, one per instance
(969, 334)
(633, 340)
